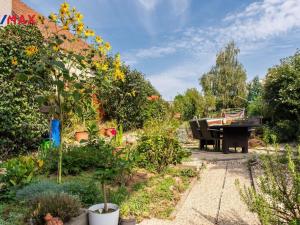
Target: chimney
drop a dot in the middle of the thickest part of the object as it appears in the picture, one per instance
(5, 9)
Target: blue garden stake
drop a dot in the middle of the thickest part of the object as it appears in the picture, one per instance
(55, 133)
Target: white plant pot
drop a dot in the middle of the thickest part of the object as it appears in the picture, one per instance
(111, 218)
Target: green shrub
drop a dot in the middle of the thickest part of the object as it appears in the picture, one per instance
(282, 95)
(269, 135)
(126, 101)
(78, 158)
(21, 124)
(86, 191)
(34, 189)
(188, 173)
(276, 201)
(158, 146)
(60, 205)
(190, 104)
(20, 171)
(287, 130)
(157, 152)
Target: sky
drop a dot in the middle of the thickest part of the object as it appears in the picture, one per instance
(173, 42)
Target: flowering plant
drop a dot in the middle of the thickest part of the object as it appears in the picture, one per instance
(74, 64)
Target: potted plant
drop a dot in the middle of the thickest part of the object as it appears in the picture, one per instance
(107, 213)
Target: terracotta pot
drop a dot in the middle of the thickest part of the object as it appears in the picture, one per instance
(102, 131)
(81, 136)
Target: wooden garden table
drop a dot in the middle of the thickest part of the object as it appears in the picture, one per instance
(235, 135)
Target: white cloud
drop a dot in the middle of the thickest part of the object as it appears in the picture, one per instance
(148, 4)
(262, 20)
(177, 79)
(180, 6)
(258, 22)
(252, 28)
(148, 53)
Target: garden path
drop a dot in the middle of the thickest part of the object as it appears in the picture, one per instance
(214, 198)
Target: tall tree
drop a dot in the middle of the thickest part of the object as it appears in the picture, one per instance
(254, 89)
(190, 104)
(282, 97)
(227, 79)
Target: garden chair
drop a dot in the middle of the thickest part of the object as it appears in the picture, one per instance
(209, 136)
(195, 127)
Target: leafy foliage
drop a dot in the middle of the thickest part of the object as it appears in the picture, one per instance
(277, 199)
(60, 205)
(20, 171)
(79, 158)
(256, 107)
(269, 135)
(159, 147)
(114, 165)
(282, 96)
(19, 89)
(162, 190)
(255, 89)
(126, 101)
(86, 191)
(227, 79)
(37, 188)
(190, 104)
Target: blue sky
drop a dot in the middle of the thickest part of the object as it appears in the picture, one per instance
(173, 42)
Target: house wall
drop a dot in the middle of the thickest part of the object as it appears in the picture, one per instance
(5, 9)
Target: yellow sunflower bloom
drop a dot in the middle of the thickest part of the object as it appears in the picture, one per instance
(55, 48)
(53, 17)
(102, 50)
(107, 46)
(64, 8)
(31, 50)
(104, 67)
(78, 17)
(98, 39)
(14, 61)
(119, 75)
(65, 27)
(97, 64)
(89, 33)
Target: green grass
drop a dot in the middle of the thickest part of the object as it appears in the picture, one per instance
(157, 197)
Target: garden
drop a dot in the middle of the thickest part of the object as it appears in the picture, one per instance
(83, 135)
(71, 130)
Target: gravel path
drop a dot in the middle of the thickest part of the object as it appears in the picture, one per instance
(214, 199)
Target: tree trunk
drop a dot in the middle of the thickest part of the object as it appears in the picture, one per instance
(104, 198)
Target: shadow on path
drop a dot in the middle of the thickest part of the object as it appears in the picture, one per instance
(232, 219)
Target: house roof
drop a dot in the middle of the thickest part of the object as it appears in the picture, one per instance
(20, 8)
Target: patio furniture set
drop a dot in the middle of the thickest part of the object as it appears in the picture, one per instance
(225, 132)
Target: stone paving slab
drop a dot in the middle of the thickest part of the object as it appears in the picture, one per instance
(233, 211)
(214, 199)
